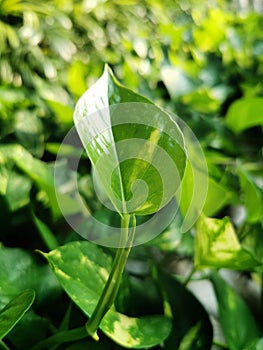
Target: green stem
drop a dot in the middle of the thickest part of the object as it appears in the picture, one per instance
(3, 346)
(112, 285)
(220, 345)
(188, 278)
(60, 338)
(261, 298)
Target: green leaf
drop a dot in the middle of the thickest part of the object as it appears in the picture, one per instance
(251, 240)
(170, 238)
(82, 268)
(245, 113)
(217, 245)
(40, 329)
(11, 314)
(137, 149)
(238, 324)
(29, 131)
(76, 78)
(256, 345)
(218, 196)
(63, 112)
(64, 150)
(252, 196)
(17, 190)
(20, 271)
(46, 234)
(192, 329)
(37, 170)
(90, 344)
(193, 190)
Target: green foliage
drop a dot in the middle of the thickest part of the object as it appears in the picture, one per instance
(201, 60)
(14, 311)
(249, 111)
(108, 130)
(80, 266)
(217, 245)
(232, 308)
(192, 327)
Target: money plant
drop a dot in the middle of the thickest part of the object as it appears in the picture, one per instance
(148, 187)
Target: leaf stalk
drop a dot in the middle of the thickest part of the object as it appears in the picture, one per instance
(111, 288)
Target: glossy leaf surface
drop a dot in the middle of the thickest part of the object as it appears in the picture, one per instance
(14, 311)
(137, 149)
(82, 269)
(217, 245)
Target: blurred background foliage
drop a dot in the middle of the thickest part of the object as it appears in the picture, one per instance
(202, 60)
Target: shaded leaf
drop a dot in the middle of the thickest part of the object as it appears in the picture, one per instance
(39, 327)
(29, 131)
(256, 345)
(251, 240)
(14, 311)
(82, 269)
(238, 324)
(172, 239)
(37, 170)
(252, 196)
(19, 271)
(218, 196)
(46, 234)
(192, 329)
(89, 344)
(17, 190)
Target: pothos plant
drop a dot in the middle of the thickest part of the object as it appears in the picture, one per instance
(121, 151)
(87, 272)
(127, 146)
(127, 139)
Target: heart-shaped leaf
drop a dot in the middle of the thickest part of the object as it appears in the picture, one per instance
(136, 148)
(11, 314)
(82, 269)
(217, 245)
